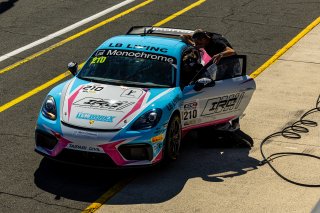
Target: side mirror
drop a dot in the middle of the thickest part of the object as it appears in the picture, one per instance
(202, 83)
(73, 68)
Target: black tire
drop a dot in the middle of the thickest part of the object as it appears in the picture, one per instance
(173, 139)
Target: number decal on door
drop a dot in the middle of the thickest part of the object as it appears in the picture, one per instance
(190, 114)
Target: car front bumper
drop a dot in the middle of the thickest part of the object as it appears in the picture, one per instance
(99, 149)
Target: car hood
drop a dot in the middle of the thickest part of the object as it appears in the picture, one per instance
(100, 106)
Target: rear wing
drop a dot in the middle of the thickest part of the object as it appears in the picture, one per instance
(149, 30)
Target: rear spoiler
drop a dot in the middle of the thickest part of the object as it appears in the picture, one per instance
(149, 30)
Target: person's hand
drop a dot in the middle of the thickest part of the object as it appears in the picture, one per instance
(216, 58)
(187, 39)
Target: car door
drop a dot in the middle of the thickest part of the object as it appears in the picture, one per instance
(223, 100)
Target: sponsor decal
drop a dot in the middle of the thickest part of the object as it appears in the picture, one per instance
(80, 133)
(140, 55)
(132, 93)
(172, 30)
(93, 117)
(224, 104)
(192, 105)
(105, 104)
(79, 147)
(190, 112)
(84, 148)
(172, 103)
(157, 138)
(140, 47)
(100, 53)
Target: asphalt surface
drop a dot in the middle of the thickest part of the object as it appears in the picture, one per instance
(29, 183)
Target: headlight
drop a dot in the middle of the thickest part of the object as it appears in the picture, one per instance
(147, 120)
(49, 109)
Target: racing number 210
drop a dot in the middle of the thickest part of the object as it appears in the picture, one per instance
(92, 88)
(189, 114)
(98, 60)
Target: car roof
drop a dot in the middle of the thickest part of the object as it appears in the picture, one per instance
(153, 44)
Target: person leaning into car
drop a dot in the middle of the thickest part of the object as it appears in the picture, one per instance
(215, 48)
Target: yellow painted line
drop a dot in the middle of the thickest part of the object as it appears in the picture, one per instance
(35, 90)
(107, 195)
(32, 92)
(284, 49)
(169, 18)
(94, 27)
(62, 76)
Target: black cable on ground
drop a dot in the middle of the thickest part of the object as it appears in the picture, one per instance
(293, 132)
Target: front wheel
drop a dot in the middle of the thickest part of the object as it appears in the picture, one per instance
(173, 139)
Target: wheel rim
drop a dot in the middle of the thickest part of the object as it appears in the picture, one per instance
(175, 136)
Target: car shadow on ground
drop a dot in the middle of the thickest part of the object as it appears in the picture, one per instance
(6, 5)
(212, 156)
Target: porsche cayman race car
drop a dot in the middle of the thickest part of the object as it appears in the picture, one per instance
(128, 105)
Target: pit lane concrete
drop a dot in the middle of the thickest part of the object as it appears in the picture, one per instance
(29, 183)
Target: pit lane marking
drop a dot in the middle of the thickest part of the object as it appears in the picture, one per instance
(107, 195)
(173, 16)
(285, 48)
(67, 73)
(60, 43)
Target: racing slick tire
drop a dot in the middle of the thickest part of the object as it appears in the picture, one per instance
(173, 139)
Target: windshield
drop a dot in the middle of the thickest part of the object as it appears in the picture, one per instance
(130, 68)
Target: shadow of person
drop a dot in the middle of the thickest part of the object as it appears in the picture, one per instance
(6, 5)
(210, 156)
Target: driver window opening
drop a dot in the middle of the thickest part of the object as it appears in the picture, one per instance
(190, 65)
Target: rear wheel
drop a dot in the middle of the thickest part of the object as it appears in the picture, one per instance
(173, 139)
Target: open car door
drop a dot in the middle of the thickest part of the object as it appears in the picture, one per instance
(218, 94)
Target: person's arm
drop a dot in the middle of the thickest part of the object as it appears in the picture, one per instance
(187, 39)
(225, 53)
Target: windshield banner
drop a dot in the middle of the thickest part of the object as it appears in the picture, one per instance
(135, 54)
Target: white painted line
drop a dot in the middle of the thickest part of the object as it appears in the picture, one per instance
(65, 30)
